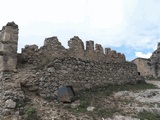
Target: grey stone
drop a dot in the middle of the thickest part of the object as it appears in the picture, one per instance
(10, 104)
(90, 108)
(75, 104)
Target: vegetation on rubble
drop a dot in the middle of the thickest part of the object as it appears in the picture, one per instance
(101, 98)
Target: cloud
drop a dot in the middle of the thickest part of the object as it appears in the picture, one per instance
(142, 55)
(133, 24)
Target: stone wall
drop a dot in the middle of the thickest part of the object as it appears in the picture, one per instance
(79, 67)
(151, 66)
(52, 49)
(155, 61)
(143, 66)
(80, 74)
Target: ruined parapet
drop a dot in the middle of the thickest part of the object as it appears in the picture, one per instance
(112, 55)
(29, 53)
(76, 47)
(90, 53)
(122, 57)
(52, 43)
(8, 47)
(99, 49)
(90, 46)
(99, 52)
(107, 51)
(53, 47)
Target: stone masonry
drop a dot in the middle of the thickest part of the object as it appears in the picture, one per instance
(52, 49)
(149, 67)
(80, 74)
(8, 47)
(43, 70)
(10, 90)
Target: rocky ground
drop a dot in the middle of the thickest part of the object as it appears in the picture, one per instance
(117, 105)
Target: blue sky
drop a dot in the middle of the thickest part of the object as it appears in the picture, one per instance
(128, 26)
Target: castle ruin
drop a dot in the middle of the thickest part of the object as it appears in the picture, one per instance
(43, 70)
(52, 48)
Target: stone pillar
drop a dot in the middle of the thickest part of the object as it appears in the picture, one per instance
(99, 49)
(100, 53)
(10, 90)
(90, 53)
(90, 46)
(76, 47)
(107, 51)
(8, 47)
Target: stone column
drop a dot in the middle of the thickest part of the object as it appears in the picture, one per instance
(10, 93)
(90, 53)
(100, 53)
(8, 47)
(76, 47)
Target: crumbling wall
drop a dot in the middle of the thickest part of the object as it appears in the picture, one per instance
(143, 66)
(155, 62)
(149, 67)
(80, 74)
(112, 55)
(76, 48)
(82, 68)
(52, 49)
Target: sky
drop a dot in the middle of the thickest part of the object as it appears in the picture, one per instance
(131, 27)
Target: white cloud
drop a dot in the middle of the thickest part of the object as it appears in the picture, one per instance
(142, 55)
(133, 24)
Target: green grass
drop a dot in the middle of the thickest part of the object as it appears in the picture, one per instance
(148, 116)
(30, 113)
(96, 97)
(109, 89)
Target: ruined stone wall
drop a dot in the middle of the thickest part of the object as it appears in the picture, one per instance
(143, 66)
(80, 74)
(52, 48)
(76, 66)
(151, 66)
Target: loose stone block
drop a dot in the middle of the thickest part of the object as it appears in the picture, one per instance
(10, 104)
(66, 94)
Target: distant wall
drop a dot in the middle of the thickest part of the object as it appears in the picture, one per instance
(52, 48)
(80, 74)
(144, 66)
(151, 66)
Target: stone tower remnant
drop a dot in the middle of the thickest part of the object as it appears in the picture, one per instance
(8, 47)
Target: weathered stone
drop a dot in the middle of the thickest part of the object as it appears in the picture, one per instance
(75, 104)
(43, 70)
(11, 117)
(90, 108)
(66, 94)
(10, 104)
(8, 47)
